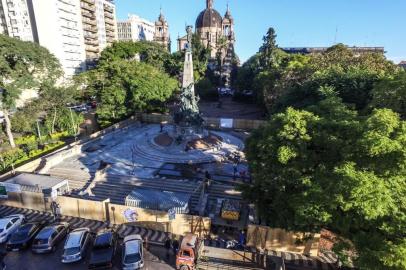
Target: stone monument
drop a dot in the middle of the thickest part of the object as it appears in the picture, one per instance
(187, 118)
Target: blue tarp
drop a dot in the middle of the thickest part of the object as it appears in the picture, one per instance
(159, 200)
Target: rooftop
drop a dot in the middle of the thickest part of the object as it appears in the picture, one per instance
(36, 180)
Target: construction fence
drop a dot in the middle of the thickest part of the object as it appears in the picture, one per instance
(178, 224)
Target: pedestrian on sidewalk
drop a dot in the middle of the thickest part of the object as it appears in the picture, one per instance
(167, 247)
(146, 243)
(175, 246)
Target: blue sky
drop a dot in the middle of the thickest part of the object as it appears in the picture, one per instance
(298, 23)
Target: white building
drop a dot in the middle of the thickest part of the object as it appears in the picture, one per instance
(15, 19)
(135, 28)
(58, 27)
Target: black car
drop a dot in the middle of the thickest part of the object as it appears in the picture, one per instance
(47, 239)
(24, 236)
(104, 248)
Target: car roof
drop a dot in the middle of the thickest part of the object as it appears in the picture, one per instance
(74, 237)
(132, 246)
(103, 238)
(46, 232)
(132, 237)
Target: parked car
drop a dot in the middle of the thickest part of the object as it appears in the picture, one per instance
(8, 225)
(133, 253)
(49, 237)
(75, 245)
(24, 236)
(104, 249)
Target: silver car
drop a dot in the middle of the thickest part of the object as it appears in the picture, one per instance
(133, 253)
(8, 225)
(49, 237)
(75, 245)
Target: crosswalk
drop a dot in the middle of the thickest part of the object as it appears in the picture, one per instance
(153, 236)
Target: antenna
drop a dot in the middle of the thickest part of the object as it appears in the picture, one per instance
(335, 36)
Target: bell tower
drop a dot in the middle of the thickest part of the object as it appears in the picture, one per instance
(161, 34)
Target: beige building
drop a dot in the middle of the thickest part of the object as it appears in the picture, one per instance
(162, 35)
(99, 27)
(135, 28)
(15, 19)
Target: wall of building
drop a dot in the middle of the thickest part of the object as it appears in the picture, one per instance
(59, 29)
(135, 28)
(15, 19)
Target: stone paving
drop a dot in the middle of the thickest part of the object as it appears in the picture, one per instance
(133, 152)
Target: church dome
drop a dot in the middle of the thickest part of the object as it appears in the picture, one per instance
(208, 18)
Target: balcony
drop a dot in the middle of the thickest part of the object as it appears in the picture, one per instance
(109, 21)
(108, 15)
(110, 28)
(89, 21)
(87, 7)
(110, 34)
(108, 8)
(88, 14)
(91, 2)
(90, 28)
(93, 49)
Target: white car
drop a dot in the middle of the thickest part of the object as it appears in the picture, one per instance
(133, 253)
(8, 225)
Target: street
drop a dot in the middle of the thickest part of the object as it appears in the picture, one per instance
(26, 260)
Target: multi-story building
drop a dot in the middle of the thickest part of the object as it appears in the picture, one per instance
(161, 34)
(58, 27)
(135, 28)
(99, 26)
(15, 19)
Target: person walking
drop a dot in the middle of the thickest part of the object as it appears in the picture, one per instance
(167, 246)
(175, 246)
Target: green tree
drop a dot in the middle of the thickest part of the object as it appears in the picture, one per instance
(55, 99)
(23, 65)
(352, 76)
(328, 167)
(268, 50)
(124, 88)
(391, 93)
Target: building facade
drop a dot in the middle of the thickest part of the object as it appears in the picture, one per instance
(75, 31)
(135, 28)
(161, 33)
(15, 19)
(99, 27)
(58, 27)
(217, 34)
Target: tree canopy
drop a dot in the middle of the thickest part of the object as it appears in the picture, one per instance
(329, 167)
(23, 65)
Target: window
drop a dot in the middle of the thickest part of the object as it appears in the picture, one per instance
(9, 225)
(14, 220)
(186, 253)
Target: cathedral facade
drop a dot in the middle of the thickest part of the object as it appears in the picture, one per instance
(217, 34)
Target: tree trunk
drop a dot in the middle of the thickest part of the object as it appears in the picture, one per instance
(53, 122)
(8, 129)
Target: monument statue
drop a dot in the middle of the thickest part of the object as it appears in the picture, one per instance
(187, 117)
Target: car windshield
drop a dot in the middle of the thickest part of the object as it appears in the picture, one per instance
(103, 241)
(73, 240)
(132, 252)
(71, 251)
(132, 258)
(22, 232)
